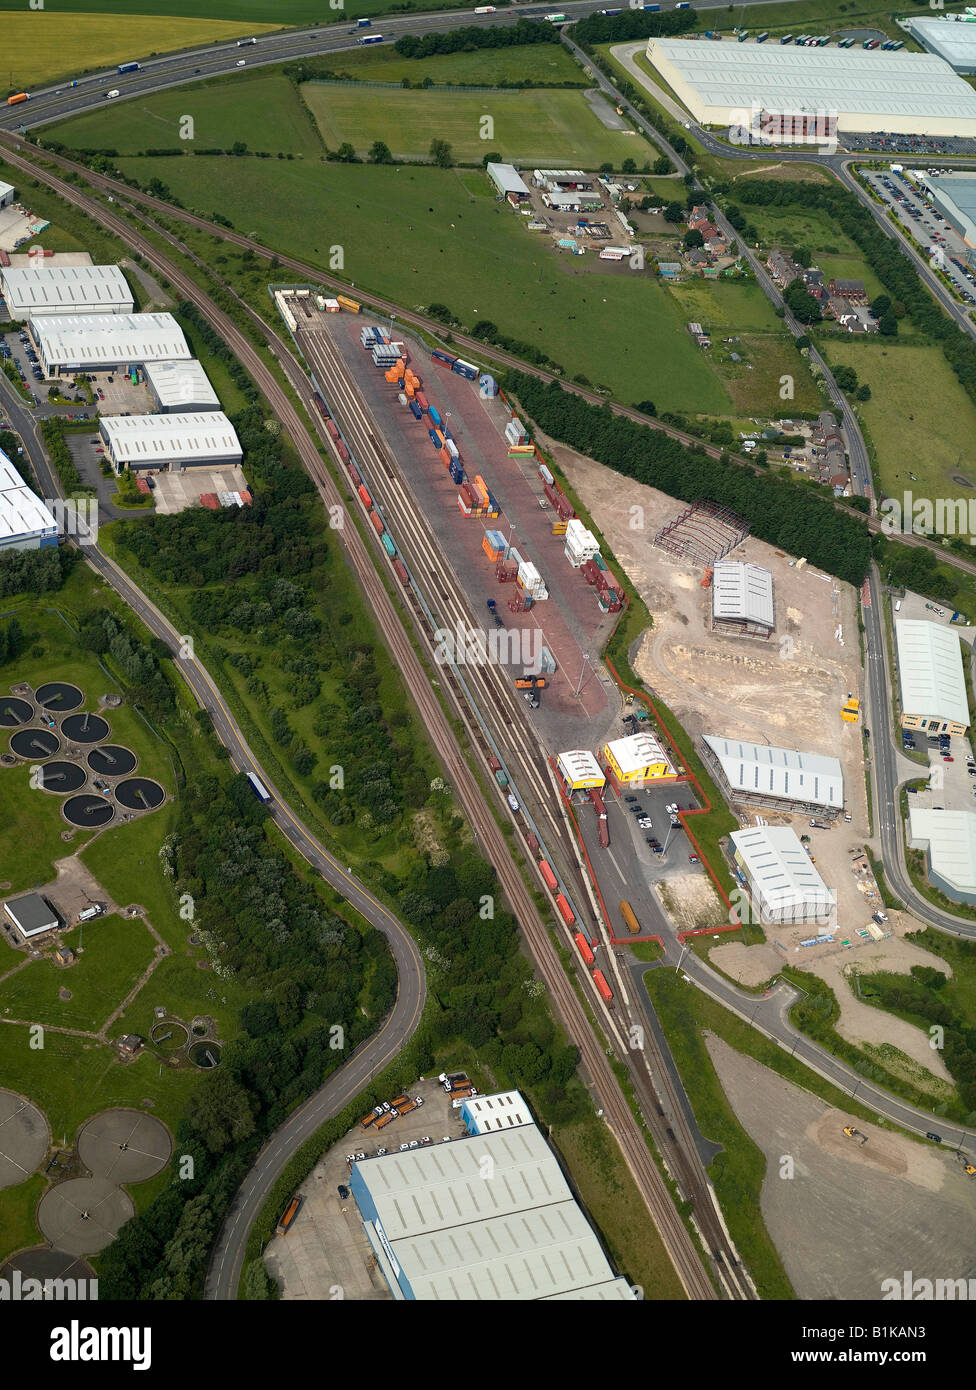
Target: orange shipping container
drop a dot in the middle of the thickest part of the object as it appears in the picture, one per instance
(367, 501)
(565, 911)
(584, 948)
(546, 871)
(486, 544)
(409, 390)
(479, 483)
(377, 521)
(600, 981)
(445, 458)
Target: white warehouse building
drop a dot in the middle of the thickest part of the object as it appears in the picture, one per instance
(759, 772)
(949, 841)
(39, 289)
(179, 388)
(723, 84)
(785, 884)
(68, 343)
(742, 598)
(951, 37)
(170, 442)
(930, 677)
(25, 522)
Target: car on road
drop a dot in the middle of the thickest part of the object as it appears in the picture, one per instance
(636, 810)
(242, 62)
(936, 1138)
(948, 758)
(101, 395)
(644, 823)
(693, 859)
(630, 798)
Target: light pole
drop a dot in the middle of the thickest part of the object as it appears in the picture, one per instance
(579, 683)
(681, 957)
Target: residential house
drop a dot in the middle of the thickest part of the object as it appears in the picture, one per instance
(851, 290)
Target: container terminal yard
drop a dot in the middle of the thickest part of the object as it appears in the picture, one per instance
(381, 485)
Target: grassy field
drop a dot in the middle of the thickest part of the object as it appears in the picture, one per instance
(273, 14)
(17, 1207)
(423, 234)
(728, 308)
(529, 127)
(546, 62)
(223, 112)
(116, 951)
(923, 429)
(37, 49)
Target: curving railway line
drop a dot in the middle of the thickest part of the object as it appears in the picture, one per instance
(603, 1083)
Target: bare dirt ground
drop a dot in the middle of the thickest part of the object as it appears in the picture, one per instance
(692, 902)
(750, 965)
(850, 1215)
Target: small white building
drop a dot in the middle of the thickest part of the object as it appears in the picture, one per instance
(39, 289)
(784, 881)
(485, 1114)
(170, 442)
(949, 841)
(508, 181)
(579, 768)
(25, 522)
(179, 388)
(7, 194)
(31, 915)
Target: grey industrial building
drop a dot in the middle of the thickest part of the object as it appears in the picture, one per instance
(509, 182)
(31, 915)
(950, 37)
(948, 839)
(7, 194)
(180, 387)
(170, 442)
(68, 343)
(25, 522)
(39, 289)
(440, 1231)
(955, 197)
(742, 599)
(777, 778)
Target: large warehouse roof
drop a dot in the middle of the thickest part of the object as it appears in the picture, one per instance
(764, 771)
(930, 671)
(68, 289)
(908, 93)
(782, 872)
(507, 179)
(22, 513)
(93, 339)
(142, 440)
(955, 195)
(742, 593)
(453, 1235)
(185, 384)
(951, 841)
(952, 38)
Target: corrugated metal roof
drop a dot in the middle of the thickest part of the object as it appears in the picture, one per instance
(742, 592)
(147, 439)
(503, 1110)
(93, 339)
(182, 383)
(637, 751)
(766, 771)
(22, 513)
(930, 671)
(819, 79)
(781, 871)
(950, 38)
(66, 289)
(507, 179)
(951, 837)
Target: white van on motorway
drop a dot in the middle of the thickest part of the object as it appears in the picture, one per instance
(113, 93)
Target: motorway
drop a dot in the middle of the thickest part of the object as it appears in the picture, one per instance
(354, 1074)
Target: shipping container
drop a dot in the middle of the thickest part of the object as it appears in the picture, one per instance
(445, 458)
(415, 410)
(258, 788)
(342, 451)
(349, 304)
(501, 778)
(457, 472)
(129, 67)
(545, 869)
(584, 948)
(320, 406)
(598, 977)
(333, 428)
(436, 438)
(18, 97)
(388, 545)
(377, 521)
(354, 474)
(465, 369)
(400, 570)
(451, 447)
(422, 400)
(565, 911)
(627, 913)
(435, 415)
(787, 38)
(364, 496)
(443, 359)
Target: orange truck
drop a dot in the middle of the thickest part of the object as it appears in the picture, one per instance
(385, 1120)
(405, 1109)
(400, 1100)
(369, 1119)
(288, 1216)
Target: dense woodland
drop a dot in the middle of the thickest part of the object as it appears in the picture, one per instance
(777, 510)
(470, 38)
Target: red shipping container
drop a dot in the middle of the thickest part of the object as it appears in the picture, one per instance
(354, 475)
(600, 981)
(331, 426)
(342, 451)
(378, 526)
(400, 570)
(547, 873)
(422, 400)
(209, 499)
(364, 496)
(565, 911)
(584, 948)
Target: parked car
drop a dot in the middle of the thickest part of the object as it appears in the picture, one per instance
(693, 859)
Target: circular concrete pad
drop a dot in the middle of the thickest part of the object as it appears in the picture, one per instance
(125, 1146)
(57, 697)
(83, 1215)
(14, 711)
(85, 728)
(111, 760)
(24, 1138)
(35, 743)
(88, 811)
(42, 1263)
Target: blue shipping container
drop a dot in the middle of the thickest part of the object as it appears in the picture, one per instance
(388, 545)
(434, 414)
(415, 410)
(439, 356)
(433, 439)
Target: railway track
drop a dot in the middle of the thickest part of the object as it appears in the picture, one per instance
(608, 1095)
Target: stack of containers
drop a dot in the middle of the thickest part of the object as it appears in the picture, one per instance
(384, 355)
(395, 375)
(581, 544)
(515, 433)
(465, 369)
(469, 501)
(456, 471)
(491, 506)
(530, 581)
(493, 545)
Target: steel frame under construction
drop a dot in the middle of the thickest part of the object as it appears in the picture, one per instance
(704, 532)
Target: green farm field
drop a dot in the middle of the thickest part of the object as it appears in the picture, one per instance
(919, 418)
(223, 112)
(423, 234)
(36, 48)
(541, 62)
(529, 127)
(274, 14)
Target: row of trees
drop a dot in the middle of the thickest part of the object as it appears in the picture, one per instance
(52, 432)
(215, 344)
(633, 24)
(468, 39)
(777, 510)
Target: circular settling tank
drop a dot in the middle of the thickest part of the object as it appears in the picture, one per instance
(85, 728)
(139, 794)
(88, 811)
(111, 760)
(61, 778)
(205, 1055)
(57, 697)
(34, 743)
(14, 712)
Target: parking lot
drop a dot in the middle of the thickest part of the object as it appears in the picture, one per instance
(325, 1254)
(919, 217)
